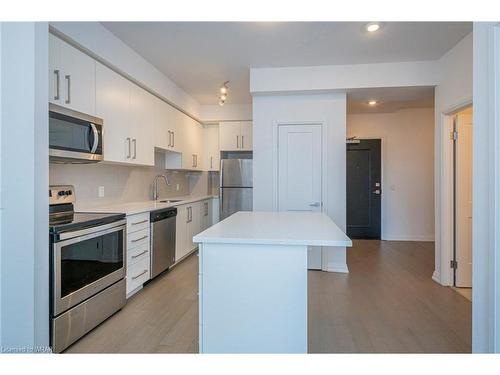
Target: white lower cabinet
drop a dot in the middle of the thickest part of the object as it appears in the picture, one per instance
(138, 252)
(192, 219)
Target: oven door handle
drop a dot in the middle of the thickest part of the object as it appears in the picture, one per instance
(96, 138)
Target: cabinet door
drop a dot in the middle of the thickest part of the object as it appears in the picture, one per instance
(55, 73)
(113, 106)
(229, 136)
(181, 225)
(246, 136)
(78, 80)
(142, 126)
(206, 215)
(198, 148)
(196, 222)
(162, 137)
(211, 148)
(189, 148)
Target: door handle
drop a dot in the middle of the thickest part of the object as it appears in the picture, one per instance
(68, 97)
(211, 162)
(135, 148)
(242, 142)
(377, 192)
(237, 142)
(173, 139)
(169, 138)
(315, 204)
(139, 239)
(57, 74)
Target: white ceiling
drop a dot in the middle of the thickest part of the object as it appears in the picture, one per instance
(199, 56)
(389, 99)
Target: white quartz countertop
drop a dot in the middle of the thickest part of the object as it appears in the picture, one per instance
(131, 208)
(276, 228)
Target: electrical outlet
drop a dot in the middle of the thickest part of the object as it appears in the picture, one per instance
(177, 187)
(100, 191)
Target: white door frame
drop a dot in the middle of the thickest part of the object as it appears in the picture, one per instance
(445, 250)
(324, 153)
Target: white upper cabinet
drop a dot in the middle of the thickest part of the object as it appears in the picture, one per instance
(113, 106)
(246, 135)
(211, 147)
(235, 136)
(128, 113)
(167, 137)
(142, 117)
(71, 77)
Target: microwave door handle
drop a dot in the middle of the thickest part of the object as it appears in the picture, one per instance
(96, 138)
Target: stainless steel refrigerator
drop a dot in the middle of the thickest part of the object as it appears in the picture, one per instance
(236, 186)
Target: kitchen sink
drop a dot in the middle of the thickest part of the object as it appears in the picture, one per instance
(170, 200)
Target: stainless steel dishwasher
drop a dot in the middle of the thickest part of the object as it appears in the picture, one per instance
(162, 239)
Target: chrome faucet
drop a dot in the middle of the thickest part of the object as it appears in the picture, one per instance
(156, 195)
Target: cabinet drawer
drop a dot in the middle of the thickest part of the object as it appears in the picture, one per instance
(137, 222)
(137, 274)
(138, 253)
(138, 239)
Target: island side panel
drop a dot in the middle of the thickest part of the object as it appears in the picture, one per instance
(253, 298)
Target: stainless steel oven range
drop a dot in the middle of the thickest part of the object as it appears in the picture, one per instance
(88, 269)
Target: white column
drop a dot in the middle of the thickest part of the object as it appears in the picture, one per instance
(486, 190)
(24, 252)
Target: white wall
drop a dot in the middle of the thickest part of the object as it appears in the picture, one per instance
(228, 112)
(329, 110)
(341, 77)
(98, 40)
(24, 273)
(407, 169)
(454, 90)
(486, 190)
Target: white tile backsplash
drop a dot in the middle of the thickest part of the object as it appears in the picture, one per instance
(123, 183)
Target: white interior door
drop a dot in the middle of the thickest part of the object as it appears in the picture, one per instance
(463, 236)
(299, 174)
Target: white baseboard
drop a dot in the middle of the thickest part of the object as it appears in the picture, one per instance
(436, 277)
(425, 238)
(336, 267)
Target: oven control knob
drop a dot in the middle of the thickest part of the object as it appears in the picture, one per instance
(68, 192)
(61, 193)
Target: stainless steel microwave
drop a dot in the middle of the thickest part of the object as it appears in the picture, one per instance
(74, 137)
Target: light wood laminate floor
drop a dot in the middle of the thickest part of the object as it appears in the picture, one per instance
(388, 303)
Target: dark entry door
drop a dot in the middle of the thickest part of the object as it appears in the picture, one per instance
(363, 189)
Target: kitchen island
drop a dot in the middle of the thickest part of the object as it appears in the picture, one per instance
(253, 280)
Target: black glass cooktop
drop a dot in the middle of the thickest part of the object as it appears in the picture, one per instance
(64, 222)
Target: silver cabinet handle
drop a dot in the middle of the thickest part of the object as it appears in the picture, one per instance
(315, 204)
(173, 139)
(96, 138)
(237, 142)
(68, 97)
(242, 143)
(139, 239)
(135, 148)
(196, 161)
(138, 255)
(140, 222)
(58, 83)
(128, 141)
(206, 208)
(139, 275)
(211, 162)
(169, 138)
(377, 192)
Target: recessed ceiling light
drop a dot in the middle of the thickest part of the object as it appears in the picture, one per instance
(372, 27)
(372, 102)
